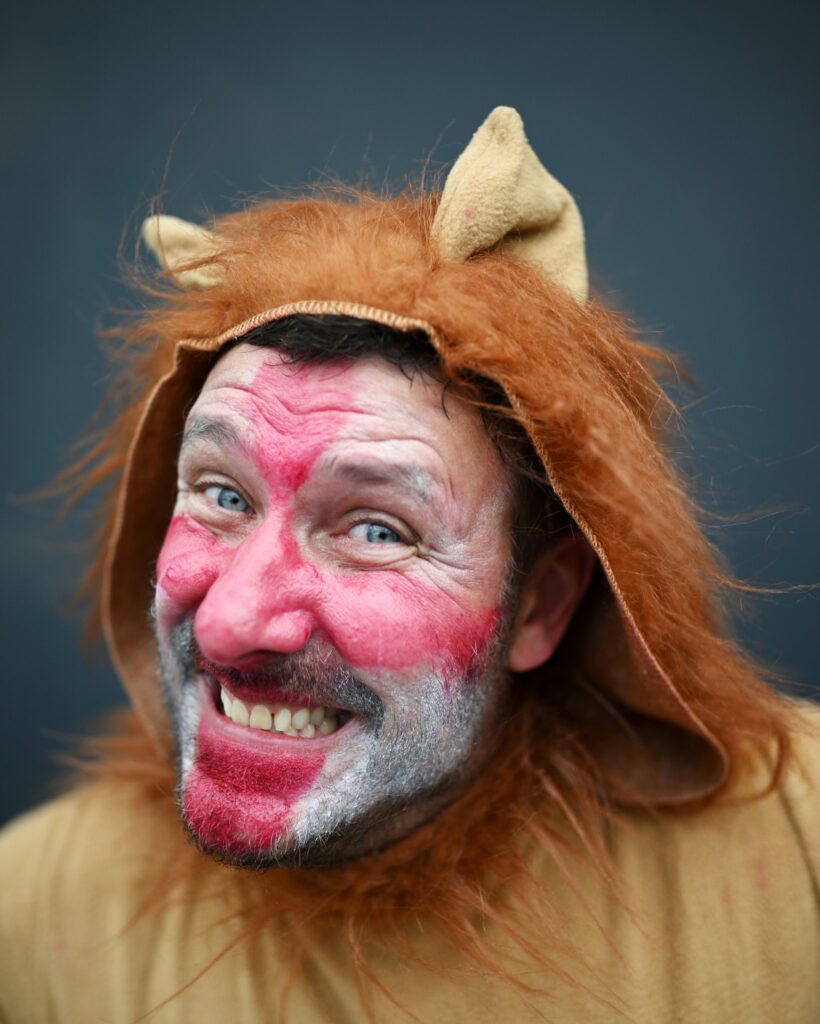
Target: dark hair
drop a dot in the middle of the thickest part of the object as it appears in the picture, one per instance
(538, 515)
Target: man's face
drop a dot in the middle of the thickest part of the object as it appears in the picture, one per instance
(330, 605)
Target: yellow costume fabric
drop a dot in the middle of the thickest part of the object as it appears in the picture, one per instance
(723, 926)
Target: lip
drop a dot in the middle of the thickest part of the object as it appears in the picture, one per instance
(212, 720)
(254, 695)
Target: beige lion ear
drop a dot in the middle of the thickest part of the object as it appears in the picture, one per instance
(175, 242)
(499, 195)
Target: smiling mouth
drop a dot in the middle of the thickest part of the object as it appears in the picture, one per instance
(288, 719)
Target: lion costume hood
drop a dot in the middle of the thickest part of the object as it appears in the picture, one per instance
(494, 273)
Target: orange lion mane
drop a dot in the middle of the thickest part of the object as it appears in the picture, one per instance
(592, 393)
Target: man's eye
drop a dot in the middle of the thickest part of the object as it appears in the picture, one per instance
(227, 498)
(375, 533)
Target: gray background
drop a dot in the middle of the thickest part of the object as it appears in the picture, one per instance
(688, 133)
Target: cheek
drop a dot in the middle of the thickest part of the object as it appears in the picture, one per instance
(190, 561)
(375, 620)
(388, 622)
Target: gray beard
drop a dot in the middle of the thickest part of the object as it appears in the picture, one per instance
(412, 759)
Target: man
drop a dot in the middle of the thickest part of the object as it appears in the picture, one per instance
(434, 644)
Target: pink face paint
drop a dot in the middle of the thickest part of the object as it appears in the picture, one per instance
(258, 591)
(190, 561)
(241, 789)
(392, 623)
(376, 620)
(265, 595)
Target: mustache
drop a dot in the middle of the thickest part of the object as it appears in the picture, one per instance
(315, 673)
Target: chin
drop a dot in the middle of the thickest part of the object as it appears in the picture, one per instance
(246, 835)
(377, 832)
(243, 789)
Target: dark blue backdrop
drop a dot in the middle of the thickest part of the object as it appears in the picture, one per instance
(688, 133)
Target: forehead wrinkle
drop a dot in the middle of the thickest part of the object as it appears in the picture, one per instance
(270, 401)
(362, 467)
(330, 392)
(215, 429)
(411, 477)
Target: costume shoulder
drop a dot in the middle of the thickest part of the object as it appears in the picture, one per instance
(31, 847)
(90, 930)
(74, 870)
(800, 793)
(720, 922)
(723, 925)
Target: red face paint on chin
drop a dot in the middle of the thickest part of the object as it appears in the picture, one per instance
(238, 798)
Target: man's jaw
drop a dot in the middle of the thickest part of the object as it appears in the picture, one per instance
(242, 785)
(260, 797)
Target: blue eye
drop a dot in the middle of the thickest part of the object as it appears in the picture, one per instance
(227, 498)
(375, 533)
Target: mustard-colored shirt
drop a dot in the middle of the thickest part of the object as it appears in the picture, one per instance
(723, 927)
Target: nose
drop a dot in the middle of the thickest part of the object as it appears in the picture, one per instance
(260, 602)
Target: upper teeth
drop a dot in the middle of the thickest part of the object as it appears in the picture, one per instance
(306, 722)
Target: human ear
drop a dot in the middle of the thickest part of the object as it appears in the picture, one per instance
(549, 596)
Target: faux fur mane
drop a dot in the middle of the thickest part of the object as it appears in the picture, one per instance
(591, 392)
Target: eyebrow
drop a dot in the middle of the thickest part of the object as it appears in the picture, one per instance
(206, 428)
(414, 478)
